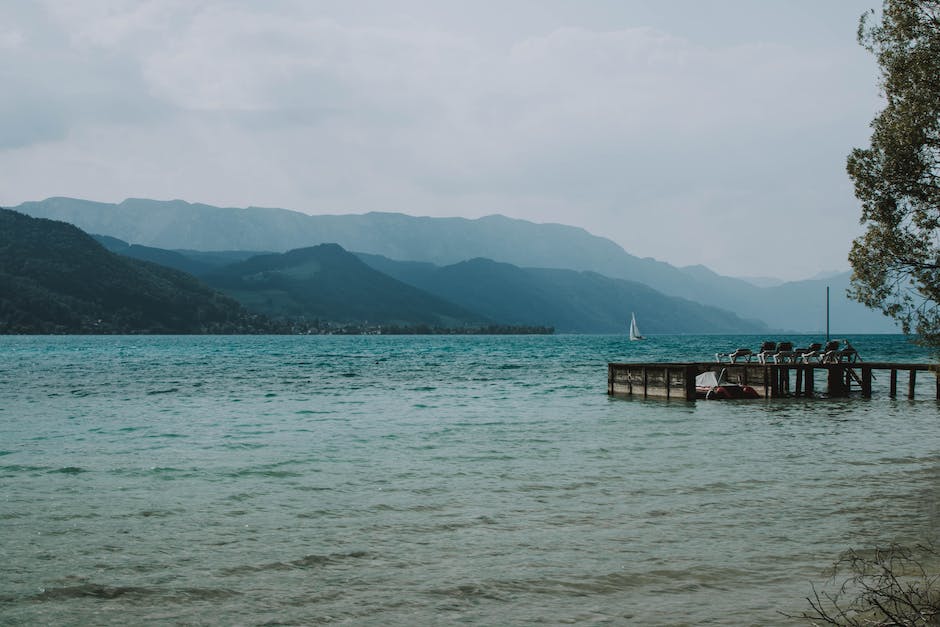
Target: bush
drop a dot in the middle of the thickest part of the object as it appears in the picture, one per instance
(891, 586)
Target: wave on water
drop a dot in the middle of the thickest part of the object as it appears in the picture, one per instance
(69, 470)
(102, 591)
(18, 468)
(662, 581)
(308, 561)
(166, 391)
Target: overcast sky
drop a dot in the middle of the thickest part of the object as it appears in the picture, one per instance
(696, 131)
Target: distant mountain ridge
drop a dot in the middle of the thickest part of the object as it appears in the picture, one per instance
(571, 301)
(446, 241)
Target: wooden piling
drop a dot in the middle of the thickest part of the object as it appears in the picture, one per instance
(893, 390)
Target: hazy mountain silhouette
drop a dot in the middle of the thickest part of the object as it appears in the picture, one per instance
(582, 302)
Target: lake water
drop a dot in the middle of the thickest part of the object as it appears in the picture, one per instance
(429, 480)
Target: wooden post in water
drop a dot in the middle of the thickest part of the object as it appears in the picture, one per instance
(690, 372)
(809, 391)
(866, 382)
(910, 384)
(893, 389)
(645, 382)
(836, 382)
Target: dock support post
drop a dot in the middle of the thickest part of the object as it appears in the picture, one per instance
(645, 382)
(910, 384)
(667, 382)
(808, 388)
(866, 382)
(836, 383)
(799, 381)
(767, 391)
(893, 390)
(690, 372)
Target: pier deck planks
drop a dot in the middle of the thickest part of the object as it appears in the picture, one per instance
(677, 380)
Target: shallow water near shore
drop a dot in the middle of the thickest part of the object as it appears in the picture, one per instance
(427, 480)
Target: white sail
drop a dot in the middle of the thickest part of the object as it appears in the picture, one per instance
(634, 330)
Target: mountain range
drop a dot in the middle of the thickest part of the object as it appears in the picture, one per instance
(796, 306)
(326, 282)
(571, 301)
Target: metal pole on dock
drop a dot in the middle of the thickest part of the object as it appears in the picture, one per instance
(827, 314)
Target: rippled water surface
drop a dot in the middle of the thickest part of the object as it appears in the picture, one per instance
(428, 480)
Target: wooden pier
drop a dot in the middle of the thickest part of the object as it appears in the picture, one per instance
(832, 380)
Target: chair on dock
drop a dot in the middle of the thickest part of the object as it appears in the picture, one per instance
(734, 356)
(835, 354)
(810, 353)
(766, 349)
(827, 353)
(785, 353)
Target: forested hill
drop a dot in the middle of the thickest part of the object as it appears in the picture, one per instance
(54, 278)
(327, 283)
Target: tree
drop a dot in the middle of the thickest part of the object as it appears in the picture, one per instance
(896, 262)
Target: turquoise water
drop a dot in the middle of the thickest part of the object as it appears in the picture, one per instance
(429, 480)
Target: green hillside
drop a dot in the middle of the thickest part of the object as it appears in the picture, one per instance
(325, 282)
(54, 278)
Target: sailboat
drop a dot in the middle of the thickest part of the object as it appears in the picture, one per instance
(634, 330)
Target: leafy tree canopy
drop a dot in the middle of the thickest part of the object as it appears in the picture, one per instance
(896, 262)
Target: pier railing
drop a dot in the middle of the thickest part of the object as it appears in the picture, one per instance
(834, 380)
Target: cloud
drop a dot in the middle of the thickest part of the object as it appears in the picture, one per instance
(625, 129)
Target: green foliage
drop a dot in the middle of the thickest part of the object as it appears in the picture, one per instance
(54, 278)
(896, 263)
